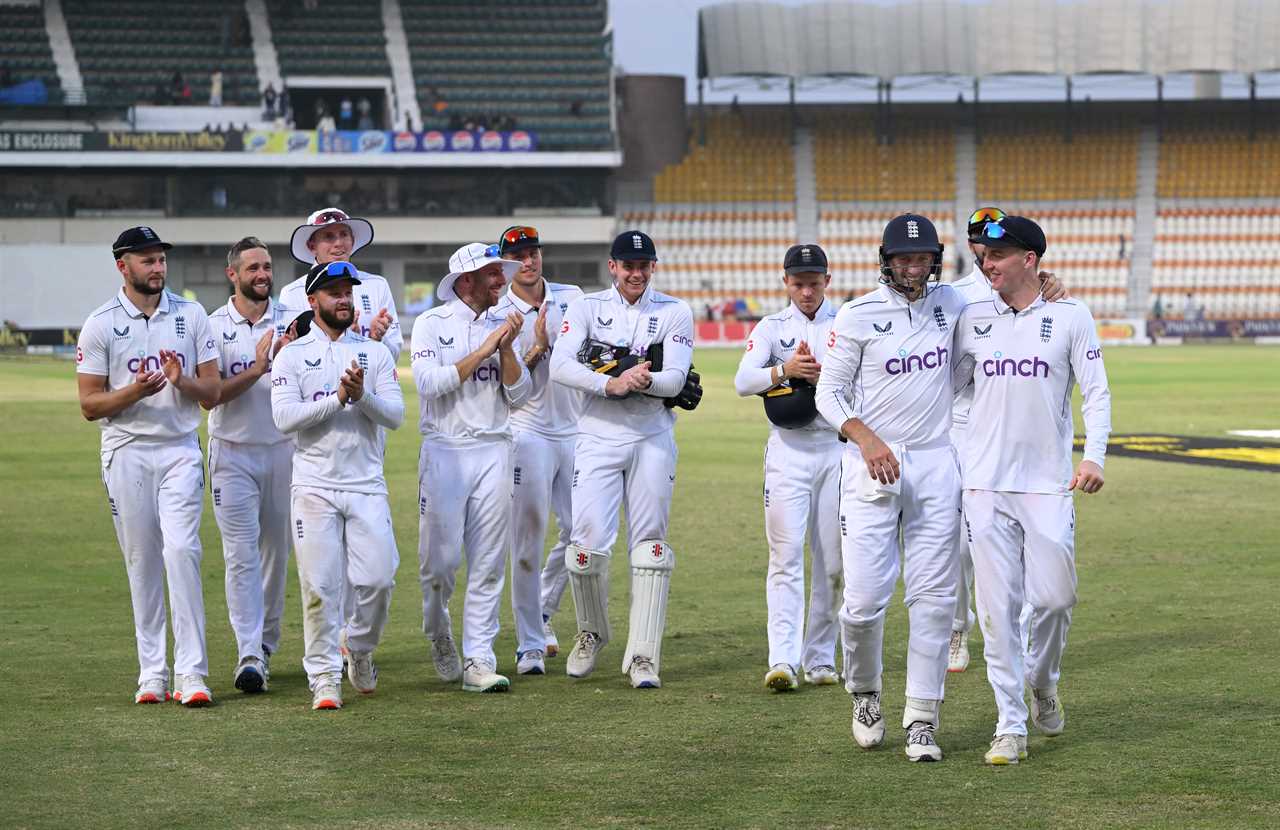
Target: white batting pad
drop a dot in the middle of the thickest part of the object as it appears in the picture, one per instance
(589, 578)
(652, 562)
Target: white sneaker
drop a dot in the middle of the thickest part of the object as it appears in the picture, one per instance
(328, 692)
(153, 690)
(958, 652)
(480, 677)
(192, 691)
(531, 662)
(445, 655)
(1022, 747)
(582, 657)
(780, 677)
(822, 676)
(1047, 712)
(921, 744)
(362, 672)
(1005, 749)
(251, 676)
(549, 634)
(643, 674)
(868, 723)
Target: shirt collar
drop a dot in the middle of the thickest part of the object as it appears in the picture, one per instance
(521, 305)
(1003, 307)
(817, 315)
(134, 312)
(238, 318)
(466, 313)
(641, 302)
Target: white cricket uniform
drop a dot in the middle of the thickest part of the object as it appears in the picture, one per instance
(371, 296)
(154, 473)
(250, 465)
(464, 472)
(339, 492)
(626, 448)
(974, 286)
(895, 356)
(544, 431)
(801, 493)
(1017, 468)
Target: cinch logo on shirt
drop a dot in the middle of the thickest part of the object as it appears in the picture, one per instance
(486, 373)
(151, 363)
(324, 393)
(280, 381)
(688, 341)
(1094, 354)
(1001, 366)
(423, 353)
(907, 363)
(241, 365)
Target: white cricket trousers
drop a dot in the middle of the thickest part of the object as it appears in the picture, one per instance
(464, 503)
(251, 502)
(1023, 550)
(643, 473)
(801, 496)
(156, 493)
(925, 513)
(965, 617)
(542, 475)
(340, 537)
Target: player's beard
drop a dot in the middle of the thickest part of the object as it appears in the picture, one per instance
(336, 319)
(254, 294)
(143, 284)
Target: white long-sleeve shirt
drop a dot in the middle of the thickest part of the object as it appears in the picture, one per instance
(118, 340)
(974, 287)
(894, 358)
(245, 419)
(1023, 366)
(605, 316)
(453, 410)
(774, 340)
(371, 296)
(336, 447)
(552, 409)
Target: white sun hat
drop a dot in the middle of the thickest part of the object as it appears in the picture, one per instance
(361, 232)
(472, 257)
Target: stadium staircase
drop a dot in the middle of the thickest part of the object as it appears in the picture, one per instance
(806, 186)
(545, 63)
(265, 59)
(25, 48)
(64, 54)
(407, 111)
(1144, 209)
(966, 184)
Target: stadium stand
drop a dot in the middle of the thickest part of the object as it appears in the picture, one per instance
(24, 49)
(1038, 159)
(130, 50)
(1207, 158)
(852, 164)
(551, 74)
(1217, 262)
(851, 239)
(1091, 250)
(747, 158)
(340, 37)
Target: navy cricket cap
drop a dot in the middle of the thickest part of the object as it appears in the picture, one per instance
(805, 258)
(321, 275)
(1016, 232)
(630, 245)
(137, 239)
(517, 238)
(910, 233)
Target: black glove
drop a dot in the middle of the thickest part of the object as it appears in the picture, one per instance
(690, 396)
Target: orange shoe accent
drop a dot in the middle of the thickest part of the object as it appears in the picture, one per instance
(326, 704)
(150, 698)
(198, 699)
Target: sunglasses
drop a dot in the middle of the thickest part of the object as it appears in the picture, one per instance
(986, 214)
(330, 216)
(515, 236)
(334, 269)
(994, 230)
(492, 251)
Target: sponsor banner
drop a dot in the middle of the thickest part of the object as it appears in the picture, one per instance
(281, 142)
(355, 141)
(1214, 328)
(121, 141)
(1237, 453)
(1115, 330)
(290, 142)
(467, 141)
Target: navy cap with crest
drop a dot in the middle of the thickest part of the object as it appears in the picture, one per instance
(137, 239)
(630, 245)
(1014, 232)
(805, 258)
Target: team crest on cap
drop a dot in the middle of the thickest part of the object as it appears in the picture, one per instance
(913, 229)
(147, 233)
(636, 241)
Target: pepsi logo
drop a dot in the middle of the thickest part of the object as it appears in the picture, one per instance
(463, 140)
(405, 142)
(433, 140)
(519, 140)
(491, 140)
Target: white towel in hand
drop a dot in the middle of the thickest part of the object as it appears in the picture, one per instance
(869, 488)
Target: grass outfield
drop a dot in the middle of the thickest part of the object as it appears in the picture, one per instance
(1169, 681)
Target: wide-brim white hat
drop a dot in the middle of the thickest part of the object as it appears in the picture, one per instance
(472, 257)
(361, 232)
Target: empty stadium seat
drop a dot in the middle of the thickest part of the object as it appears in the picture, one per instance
(1225, 260)
(747, 158)
(24, 48)
(852, 163)
(1038, 159)
(341, 37)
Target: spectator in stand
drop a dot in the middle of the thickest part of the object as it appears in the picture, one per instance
(215, 88)
(284, 107)
(346, 113)
(176, 83)
(408, 122)
(1189, 310)
(365, 110)
(325, 124)
(1157, 310)
(269, 102)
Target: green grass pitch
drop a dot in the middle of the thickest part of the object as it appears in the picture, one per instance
(1170, 675)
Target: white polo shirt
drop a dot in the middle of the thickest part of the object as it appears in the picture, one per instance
(894, 358)
(974, 287)
(246, 419)
(605, 316)
(774, 340)
(454, 411)
(552, 409)
(118, 340)
(371, 296)
(1023, 366)
(336, 447)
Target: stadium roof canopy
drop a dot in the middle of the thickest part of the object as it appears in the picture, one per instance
(989, 37)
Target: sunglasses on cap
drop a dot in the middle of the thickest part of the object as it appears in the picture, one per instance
(515, 236)
(330, 216)
(492, 251)
(334, 270)
(985, 214)
(994, 230)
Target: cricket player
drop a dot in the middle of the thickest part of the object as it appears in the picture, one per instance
(640, 343)
(250, 461)
(145, 362)
(335, 392)
(801, 473)
(469, 378)
(329, 235)
(544, 431)
(1024, 355)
